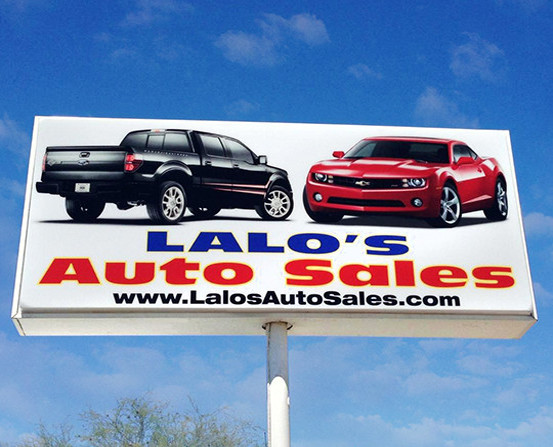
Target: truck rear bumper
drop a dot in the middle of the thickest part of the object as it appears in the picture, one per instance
(106, 191)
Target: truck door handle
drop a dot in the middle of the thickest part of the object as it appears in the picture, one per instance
(235, 165)
(208, 163)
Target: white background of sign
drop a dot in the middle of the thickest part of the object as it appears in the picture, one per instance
(121, 236)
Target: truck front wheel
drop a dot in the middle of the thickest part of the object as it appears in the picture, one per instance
(277, 204)
(203, 212)
(84, 210)
(168, 204)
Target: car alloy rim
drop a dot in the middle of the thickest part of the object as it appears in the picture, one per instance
(501, 197)
(172, 203)
(450, 207)
(277, 203)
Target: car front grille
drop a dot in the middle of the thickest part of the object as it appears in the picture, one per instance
(368, 183)
(366, 202)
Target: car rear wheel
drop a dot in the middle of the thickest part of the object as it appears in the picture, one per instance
(318, 216)
(500, 207)
(450, 208)
(203, 212)
(82, 210)
(169, 204)
(277, 204)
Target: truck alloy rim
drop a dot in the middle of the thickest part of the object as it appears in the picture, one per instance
(450, 207)
(173, 203)
(277, 203)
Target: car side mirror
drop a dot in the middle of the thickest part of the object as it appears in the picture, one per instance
(262, 160)
(465, 161)
(338, 154)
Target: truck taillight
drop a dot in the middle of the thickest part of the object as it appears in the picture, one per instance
(132, 162)
(44, 162)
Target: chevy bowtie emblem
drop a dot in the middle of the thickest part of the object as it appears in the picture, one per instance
(82, 162)
(362, 183)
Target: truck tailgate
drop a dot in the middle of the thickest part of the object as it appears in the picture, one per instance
(63, 160)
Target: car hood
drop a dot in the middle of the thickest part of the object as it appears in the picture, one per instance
(376, 167)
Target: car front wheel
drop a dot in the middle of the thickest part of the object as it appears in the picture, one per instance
(320, 216)
(169, 203)
(81, 210)
(277, 204)
(500, 207)
(450, 208)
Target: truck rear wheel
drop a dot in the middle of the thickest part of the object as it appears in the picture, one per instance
(168, 204)
(84, 210)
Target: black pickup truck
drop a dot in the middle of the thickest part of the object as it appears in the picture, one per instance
(168, 171)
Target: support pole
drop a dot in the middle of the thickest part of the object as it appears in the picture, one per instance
(278, 395)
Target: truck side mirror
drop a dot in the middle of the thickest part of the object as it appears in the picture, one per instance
(262, 159)
(338, 154)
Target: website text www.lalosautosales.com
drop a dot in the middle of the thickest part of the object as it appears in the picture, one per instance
(296, 298)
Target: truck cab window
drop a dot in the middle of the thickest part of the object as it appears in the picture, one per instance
(212, 145)
(239, 151)
(177, 142)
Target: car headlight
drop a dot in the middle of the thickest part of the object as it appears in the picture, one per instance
(323, 178)
(414, 182)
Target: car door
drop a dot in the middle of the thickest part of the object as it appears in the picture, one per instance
(469, 175)
(249, 177)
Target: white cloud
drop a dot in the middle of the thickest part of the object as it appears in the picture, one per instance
(434, 109)
(422, 383)
(529, 6)
(21, 5)
(264, 48)
(14, 139)
(519, 390)
(308, 29)
(248, 49)
(430, 432)
(148, 12)
(240, 108)
(477, 58)
(543, 295)
(362, 71)
(484, 365)
(538, 224)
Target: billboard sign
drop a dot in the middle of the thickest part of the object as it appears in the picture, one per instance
(205, 227)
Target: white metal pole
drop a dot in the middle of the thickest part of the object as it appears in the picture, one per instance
(278, 394)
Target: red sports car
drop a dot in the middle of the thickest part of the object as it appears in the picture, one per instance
(437, 179)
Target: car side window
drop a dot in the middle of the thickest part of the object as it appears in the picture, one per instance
(212, 145)
(473, 154)
(238, 151)
(461, 151)
(177, 142)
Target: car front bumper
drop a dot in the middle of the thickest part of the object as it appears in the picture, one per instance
(422, 202)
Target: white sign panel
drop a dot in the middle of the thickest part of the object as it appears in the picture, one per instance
(199, 227)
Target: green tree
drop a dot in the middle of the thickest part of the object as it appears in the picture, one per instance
(140, 422)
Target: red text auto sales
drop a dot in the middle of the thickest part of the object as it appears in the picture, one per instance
(314, 267)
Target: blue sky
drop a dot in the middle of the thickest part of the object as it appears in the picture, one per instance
(478, 64)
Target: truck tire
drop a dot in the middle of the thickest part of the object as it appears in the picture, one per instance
(83, 210)
(277, 204)
(203, 212)
(168, 204)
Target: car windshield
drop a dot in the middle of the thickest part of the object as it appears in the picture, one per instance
(409, 150)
